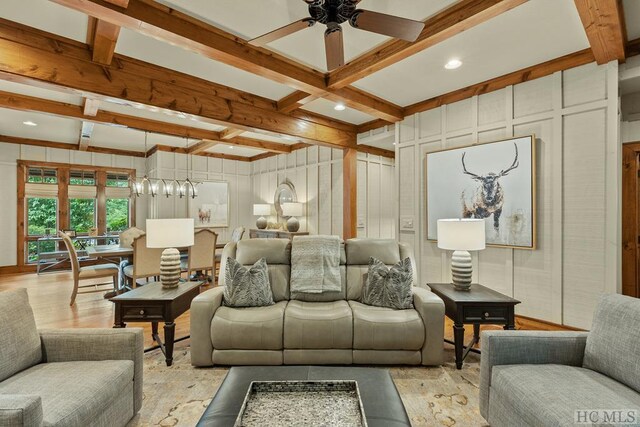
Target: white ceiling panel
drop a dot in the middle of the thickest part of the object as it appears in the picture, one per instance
(252, 18)
(234, 150)
(632, 18)
(537, 31)
(157, 52)
(268, 137)
(49, 128)
(131, 139)
(326, 108)
(46, 16)
(38, 92)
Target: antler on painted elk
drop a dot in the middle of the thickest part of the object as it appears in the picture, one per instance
(488, 198)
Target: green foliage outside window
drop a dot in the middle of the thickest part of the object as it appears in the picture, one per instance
(41, 215)
(82, 214)
(117, 214)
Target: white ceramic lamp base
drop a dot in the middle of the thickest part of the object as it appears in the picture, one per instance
(293, 224)
(170, 268)
(461, 270)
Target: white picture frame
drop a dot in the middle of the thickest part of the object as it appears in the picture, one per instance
(211, 208)
(495, 181)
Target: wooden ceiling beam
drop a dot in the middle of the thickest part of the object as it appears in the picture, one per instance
(64, 146)
(294, 101)
(526, 74)
(603, 22)
(90, 107)
(231, 133)
(460, 17)
(376, 151)
(202, 146)
(161, 22)
(273, 147)
(374, 124)
(86, 130)
(105, 37)
(35, 58)
(182, 150)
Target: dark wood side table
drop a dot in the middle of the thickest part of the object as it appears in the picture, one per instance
(153, 303)
(478, 306)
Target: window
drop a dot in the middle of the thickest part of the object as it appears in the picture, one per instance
(82, 214)
(42, 214)
(117, 214)
(82, 177)
(117, 180)
(42, 175)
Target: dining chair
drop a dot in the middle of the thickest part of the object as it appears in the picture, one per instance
(146, 261)
(87, 272)
(201, 255)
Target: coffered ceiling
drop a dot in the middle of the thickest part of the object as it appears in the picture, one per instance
(529, 33)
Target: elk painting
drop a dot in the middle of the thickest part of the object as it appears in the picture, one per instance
(488, 198)
(491, 181)
(211, 207)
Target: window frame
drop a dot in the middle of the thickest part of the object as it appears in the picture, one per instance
(63, 217)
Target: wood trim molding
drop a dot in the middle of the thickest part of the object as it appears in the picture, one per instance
(294, 101)
(362, 148)
(64, 146)
(526, 74)
(633, 48)
(630, 220)
(460, 17)
(374, 124)
(603, 22)
(350, 193)
(34, 57)
(21, 214)
(105, 37)
(183, 150)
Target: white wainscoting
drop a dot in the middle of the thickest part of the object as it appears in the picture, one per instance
(574, 115)
(11, 153)
(316, 173)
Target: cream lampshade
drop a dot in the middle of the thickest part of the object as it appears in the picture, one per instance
(292, 210)
(261, 210)
(461, 236)
(170, 234)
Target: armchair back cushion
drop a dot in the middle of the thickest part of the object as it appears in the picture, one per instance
(613, 344)
(19, 339)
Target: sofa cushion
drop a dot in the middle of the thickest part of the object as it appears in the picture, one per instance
(19, 338)
(73, 393)
(247, 287)
(275, 251)
(381, 328)
(389, 287)
(360, 250)
(549, 394)
(318, 325)
(613, 344)
(251, 328)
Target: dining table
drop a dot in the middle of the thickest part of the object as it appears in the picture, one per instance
(115, 253)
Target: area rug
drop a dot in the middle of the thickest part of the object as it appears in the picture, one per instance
(179, 394)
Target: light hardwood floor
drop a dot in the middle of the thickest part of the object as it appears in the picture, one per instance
(49, 297)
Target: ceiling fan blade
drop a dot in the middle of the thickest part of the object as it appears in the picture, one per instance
(334, 47)
(294, 27)
(389, 25)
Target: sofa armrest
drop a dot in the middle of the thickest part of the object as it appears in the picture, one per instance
(67, 345)
(17, 410)
(431, 308)
(203, 307)
(526, 347)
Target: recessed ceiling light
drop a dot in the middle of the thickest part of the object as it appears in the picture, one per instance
(339, 107)
(453, 64)
(30, 123)
(394, 143)
(231, 147)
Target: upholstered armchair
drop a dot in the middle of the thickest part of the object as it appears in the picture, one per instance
(70, 377)
(534, 378)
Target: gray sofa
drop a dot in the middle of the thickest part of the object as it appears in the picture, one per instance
(65, 377)
(543, 378)
(327, 328)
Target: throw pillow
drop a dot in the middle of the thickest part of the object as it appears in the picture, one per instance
(388, 287)
(247, 287)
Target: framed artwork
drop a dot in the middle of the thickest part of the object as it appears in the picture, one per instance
(211, 208)
(493, 181)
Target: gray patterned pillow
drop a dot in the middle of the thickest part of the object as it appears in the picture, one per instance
(388, 287)
(247, 287)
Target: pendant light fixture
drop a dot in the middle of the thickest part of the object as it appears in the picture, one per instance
(144, 185)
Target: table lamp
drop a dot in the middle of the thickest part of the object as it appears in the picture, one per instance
(292, 210)
(261, 209)
(170, 234)
(461, 236)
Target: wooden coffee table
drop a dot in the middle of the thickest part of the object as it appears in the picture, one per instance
(479, 305)
(153, 303)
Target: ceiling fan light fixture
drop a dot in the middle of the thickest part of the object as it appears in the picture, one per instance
(340, 107)
(452, 64)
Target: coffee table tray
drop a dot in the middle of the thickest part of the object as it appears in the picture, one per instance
(296, 403)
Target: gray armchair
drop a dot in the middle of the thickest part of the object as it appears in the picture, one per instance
(530, 378)
(70, 377)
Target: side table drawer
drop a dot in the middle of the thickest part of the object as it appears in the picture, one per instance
(143, 313)
(485, 314)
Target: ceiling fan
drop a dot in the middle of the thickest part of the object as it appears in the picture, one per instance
(332, 13)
